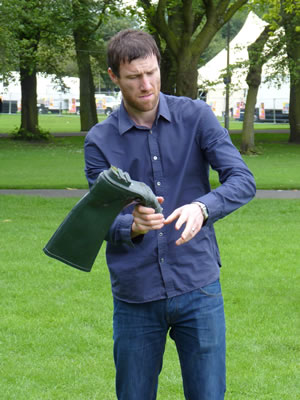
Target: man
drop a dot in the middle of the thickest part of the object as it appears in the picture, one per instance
(164, 268)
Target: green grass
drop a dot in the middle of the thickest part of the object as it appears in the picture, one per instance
(276, 165)
(60, 163)
(71, 123)
(52, 123)
(56, 322)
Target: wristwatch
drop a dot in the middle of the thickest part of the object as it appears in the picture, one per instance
(203, 209)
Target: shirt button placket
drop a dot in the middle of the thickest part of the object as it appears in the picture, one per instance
(159, 190)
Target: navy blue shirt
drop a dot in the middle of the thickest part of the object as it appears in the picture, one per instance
(173, 158)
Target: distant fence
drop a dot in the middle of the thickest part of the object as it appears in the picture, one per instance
(272, 110)
(8, 106)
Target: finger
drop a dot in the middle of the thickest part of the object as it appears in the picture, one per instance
(175, 214)
(143, 210)
(183, 218)
(142, 227)
(186, 236)
(160, 199)
(149, 220)
(191, 227)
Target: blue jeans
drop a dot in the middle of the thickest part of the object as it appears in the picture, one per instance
(195, 321)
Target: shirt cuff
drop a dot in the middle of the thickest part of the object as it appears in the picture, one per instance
(120, 231)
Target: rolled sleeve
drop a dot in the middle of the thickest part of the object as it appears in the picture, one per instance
(237, 182)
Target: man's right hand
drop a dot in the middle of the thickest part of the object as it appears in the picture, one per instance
(145, 219)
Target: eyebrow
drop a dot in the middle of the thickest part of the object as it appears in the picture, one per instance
(141, 73)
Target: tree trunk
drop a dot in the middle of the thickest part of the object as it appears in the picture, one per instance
(185, 29)
(168, 73)
(88, 112)
(187, 76)
(248, 141)
(253, 79)
(292, 36)
(29, 112)
(294, 114)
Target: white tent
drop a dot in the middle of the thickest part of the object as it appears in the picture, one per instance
(270, 96)
(48, 93)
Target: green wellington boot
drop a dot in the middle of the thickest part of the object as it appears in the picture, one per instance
(78, 239)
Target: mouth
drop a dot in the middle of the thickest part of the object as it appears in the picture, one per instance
(146, 96)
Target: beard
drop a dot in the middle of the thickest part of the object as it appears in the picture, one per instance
(142, 104)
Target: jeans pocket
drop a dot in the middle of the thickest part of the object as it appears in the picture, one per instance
(213, 289)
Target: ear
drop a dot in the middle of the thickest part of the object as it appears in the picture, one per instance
(113, 77)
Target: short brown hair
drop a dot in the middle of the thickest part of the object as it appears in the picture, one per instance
(128, 45)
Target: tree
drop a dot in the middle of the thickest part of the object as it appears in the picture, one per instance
(219, 42)
(115, 23)
(84, 27)
(286, 14)
(89, 19)
(27, 22)
(184, 29)
(27, 36)
(262, 50)
(41, 34)
(290, 20)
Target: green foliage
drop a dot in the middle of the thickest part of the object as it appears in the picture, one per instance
(23, 134)
(283, 16)
(112, 25)
(218, 43)
(27, 21)
(183, 30)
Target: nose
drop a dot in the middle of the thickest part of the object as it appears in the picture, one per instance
(145, 83)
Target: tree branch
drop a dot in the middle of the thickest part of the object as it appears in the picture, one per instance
(232, 10)
(217, 16)
(158, 21)
(106, 3)
(188, 18)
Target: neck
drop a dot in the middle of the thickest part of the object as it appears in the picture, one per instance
(142, 118)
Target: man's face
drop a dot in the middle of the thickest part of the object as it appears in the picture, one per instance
(139, 82)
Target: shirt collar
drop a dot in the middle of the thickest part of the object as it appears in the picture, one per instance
(125, 122)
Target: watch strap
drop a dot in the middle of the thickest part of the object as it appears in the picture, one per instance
(203, 209)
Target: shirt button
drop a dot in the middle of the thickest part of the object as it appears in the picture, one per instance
(162, 260)
(161, 234)
(150, 131)
(155, 158)
(158, 183)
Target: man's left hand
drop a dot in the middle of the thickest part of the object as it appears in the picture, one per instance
(191, 215)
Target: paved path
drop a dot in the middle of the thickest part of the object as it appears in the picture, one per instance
(261, 194)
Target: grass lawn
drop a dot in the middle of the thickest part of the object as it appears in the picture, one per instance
(60, 164)
(71, 123)
(52, 123)
(57, 164)
(277, 165)
(56, 322)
